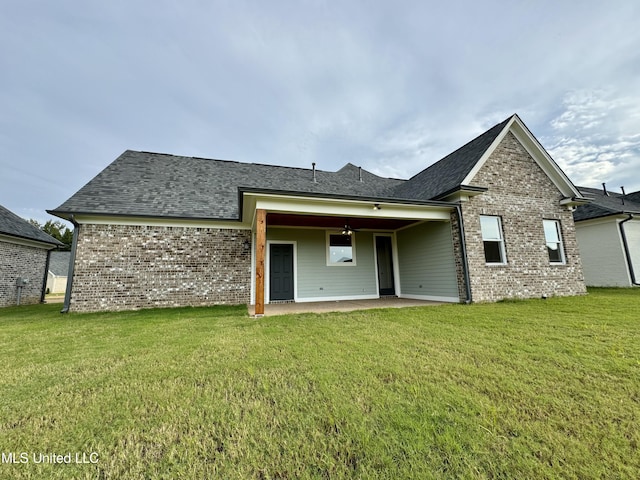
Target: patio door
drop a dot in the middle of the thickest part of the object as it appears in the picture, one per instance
(384, 254)
(280, 271)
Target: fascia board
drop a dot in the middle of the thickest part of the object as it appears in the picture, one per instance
(537, 152)
(159, 222)
(544, 160)
(27, 242)
(485, 156)
(462, 193)
(350, 208)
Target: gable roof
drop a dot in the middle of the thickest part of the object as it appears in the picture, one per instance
(145, 184)
(457, 170)
(161, 185)
(14, 226)
(449, 173)
(606, 205)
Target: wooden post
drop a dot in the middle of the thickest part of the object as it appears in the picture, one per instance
(261, 240)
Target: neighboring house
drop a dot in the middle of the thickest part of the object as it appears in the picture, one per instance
(58, 272)
(490, 221)
(608, 232)
(24, 254)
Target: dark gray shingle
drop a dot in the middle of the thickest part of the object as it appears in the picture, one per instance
(11, 224)
(156, 184)
(604, 205)
(162, 185)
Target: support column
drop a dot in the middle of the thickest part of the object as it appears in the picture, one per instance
(261, 241)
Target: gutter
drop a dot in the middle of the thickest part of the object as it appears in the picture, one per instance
(627, 253)
(72, 263)
(69, 216)
(465, 263)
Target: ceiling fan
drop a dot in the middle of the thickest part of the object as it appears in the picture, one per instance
(347, 230)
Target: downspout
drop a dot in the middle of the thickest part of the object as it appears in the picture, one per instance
(46, 275)
(72, 263)
(465, 263)
(627, 253)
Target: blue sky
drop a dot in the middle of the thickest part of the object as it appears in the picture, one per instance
(390, 86)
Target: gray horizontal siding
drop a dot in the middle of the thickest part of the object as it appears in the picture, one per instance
(426, 261)
(603, 267)
(315, 278)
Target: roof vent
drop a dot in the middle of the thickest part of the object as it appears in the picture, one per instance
(604, 189)
(360, 174)
(313, 166)
(623, 194)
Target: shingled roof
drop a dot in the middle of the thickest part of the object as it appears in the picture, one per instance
(161, 185)
(14, 226)
(604, 205)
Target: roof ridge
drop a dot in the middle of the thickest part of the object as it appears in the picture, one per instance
(239, 162)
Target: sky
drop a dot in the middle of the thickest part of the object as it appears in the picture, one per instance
(389, 86)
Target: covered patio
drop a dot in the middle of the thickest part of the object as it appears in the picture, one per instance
(273, 309)
(387, 252)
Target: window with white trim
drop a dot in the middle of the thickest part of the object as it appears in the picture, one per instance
(340, 249)
(491, 227)
(553, 238)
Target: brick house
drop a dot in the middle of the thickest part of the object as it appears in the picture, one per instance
(491, 220)
(24, 257)
(608, 233)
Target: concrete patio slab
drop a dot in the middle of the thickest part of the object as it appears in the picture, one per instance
(339, 306)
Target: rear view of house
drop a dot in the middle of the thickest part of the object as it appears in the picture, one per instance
(24, 255)
(491, 220)
(608, 232)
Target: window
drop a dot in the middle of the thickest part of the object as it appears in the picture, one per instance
(554, 240)
(340, 249)
(492, 238)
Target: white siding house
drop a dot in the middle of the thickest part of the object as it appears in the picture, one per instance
(608, 234)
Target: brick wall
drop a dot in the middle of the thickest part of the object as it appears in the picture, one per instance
(522, 195)
(21, 261)
(124, 267)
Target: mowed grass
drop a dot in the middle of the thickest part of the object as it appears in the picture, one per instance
(527, 389)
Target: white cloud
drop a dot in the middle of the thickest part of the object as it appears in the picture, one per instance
(595, 138)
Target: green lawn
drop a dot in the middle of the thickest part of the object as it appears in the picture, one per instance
(531, 389)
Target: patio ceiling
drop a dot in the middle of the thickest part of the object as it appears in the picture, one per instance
(293, 220)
